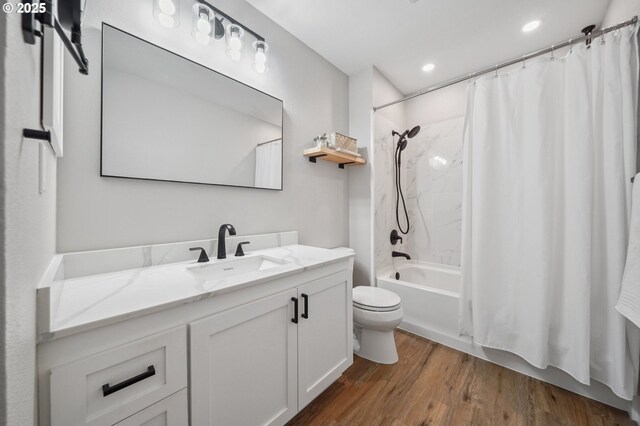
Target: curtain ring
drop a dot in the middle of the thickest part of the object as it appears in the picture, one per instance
(524, 62)
(570, 46)
(496, 76)
(553, 52)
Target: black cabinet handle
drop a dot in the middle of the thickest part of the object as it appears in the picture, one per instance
(108, 390)
(295, 310)
(305, 314)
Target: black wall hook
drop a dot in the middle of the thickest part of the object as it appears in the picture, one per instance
(43, 135)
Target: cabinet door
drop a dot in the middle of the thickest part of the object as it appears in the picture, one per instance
(244, 364)
(325, 336)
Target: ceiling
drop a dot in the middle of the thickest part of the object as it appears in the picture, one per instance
(399, 36)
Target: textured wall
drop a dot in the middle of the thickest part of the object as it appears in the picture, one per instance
(27, 221)
(96, 212)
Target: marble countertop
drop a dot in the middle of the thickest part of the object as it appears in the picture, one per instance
(81, 303)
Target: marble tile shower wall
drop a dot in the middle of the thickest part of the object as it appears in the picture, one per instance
(384, 190)
(432, 182)
(433, 169)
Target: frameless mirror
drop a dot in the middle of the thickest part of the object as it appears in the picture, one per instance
(167, 118)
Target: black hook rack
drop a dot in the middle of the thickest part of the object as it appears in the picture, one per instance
(72, 12)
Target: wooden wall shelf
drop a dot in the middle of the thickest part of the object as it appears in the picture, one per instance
(339, 157)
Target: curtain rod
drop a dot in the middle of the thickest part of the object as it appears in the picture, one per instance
(549, 49)
(264, 143)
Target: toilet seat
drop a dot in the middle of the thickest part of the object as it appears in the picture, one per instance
(375, 299)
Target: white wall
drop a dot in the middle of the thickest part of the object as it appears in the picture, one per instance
(620, 11)
(97, 212)
(360, 178)
(27, 221)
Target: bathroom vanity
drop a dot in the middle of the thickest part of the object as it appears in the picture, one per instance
(242, 341)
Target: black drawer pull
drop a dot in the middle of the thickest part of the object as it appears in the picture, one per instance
(295, 310)
(305, 314)
(108, 390)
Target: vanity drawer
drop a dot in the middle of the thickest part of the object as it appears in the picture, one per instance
(110, 386)
(171, 411)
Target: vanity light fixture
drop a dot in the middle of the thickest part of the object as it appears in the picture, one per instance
(209, 24)
(530, 26)
(234, 36)
(203, 23)
(260, 64)
(167, 12)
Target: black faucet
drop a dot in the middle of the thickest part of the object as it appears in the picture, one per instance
(394, 237)
(400, 254)
(203, 254)
(222, 248)
(239, 251)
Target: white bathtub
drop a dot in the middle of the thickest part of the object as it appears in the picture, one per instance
(430, 296)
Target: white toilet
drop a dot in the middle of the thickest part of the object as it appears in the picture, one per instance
(376, 312)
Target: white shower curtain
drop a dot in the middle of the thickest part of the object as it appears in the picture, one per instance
(549, 150)
(269, 165)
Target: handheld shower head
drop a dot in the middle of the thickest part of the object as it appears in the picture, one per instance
(402, 142)
(413, 132)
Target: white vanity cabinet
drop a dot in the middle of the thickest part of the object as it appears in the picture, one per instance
(251, 350)
(261, 363)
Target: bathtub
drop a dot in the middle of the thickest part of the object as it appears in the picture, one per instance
(430, 296)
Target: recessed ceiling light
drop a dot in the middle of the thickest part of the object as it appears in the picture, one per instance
(530, 26)
(428, 67)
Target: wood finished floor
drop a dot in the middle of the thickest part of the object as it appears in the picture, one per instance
(435, 385)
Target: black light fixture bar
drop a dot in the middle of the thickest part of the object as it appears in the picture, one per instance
(230, 19)
(74, 46)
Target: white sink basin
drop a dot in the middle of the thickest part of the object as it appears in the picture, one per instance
(234, 267)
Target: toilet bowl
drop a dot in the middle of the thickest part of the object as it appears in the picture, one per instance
(376, 313)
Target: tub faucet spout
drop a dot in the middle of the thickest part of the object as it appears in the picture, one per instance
(400, 254)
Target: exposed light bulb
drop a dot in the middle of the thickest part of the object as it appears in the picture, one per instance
(234, 34)
(260, 68)
(235, 43)
(202, 38)
(260, 59)
(166, 20)
(203, 25)
(530, 26)
(167, 12)
(168, 7)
